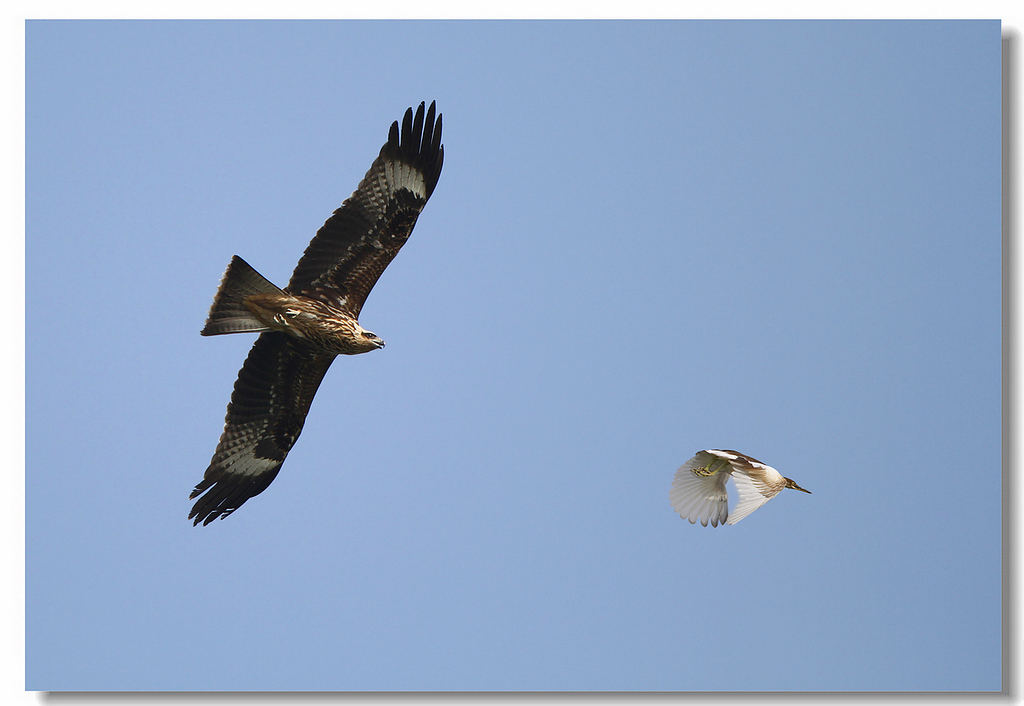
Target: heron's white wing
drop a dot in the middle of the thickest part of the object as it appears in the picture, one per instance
(753, 494)
(699, 497)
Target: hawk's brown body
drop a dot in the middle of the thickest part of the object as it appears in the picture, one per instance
(313, 321)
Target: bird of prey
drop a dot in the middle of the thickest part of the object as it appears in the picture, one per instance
(698, 489)
(304, 326)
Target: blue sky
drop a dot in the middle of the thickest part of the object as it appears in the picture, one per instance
(648, 239)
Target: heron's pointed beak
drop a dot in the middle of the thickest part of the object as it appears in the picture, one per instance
(794, 486)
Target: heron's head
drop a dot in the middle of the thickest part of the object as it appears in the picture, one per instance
(791, 484)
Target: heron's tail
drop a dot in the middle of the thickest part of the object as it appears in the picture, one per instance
(229, 314)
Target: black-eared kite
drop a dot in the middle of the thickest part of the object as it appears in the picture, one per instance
(304, 326)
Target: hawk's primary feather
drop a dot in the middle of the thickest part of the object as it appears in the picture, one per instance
(353, 247)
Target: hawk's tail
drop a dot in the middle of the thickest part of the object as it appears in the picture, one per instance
(229, 314)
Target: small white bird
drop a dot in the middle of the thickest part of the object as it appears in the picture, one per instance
(698, 489)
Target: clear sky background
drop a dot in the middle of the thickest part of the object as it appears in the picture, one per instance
(648, 239)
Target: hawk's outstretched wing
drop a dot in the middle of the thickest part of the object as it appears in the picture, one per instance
(351, 250)
(268, 407)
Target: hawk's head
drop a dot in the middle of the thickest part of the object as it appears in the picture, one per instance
(373, 341)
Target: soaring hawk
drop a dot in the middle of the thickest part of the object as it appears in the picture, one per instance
(315, 318)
